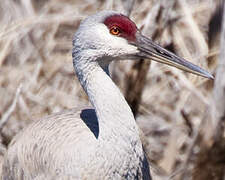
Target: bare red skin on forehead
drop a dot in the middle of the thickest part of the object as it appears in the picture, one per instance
(127, 27)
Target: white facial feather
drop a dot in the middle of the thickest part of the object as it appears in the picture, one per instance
(94, 38)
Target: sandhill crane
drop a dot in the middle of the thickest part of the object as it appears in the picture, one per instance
(99, 142)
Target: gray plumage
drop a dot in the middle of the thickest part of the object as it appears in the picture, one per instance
(99, 142)
(65, 146)
(91, 143)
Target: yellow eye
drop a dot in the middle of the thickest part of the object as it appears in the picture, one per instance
(115, 31)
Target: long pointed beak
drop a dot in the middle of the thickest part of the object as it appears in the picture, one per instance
(149, 49)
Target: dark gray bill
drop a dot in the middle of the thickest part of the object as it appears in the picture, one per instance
(148, 49)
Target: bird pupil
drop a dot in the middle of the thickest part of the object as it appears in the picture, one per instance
(114, 30)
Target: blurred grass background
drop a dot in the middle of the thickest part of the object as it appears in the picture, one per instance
(35, 55)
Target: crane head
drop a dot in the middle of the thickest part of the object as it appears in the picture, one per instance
(108, 36)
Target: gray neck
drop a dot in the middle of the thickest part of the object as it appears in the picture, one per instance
(113, 112)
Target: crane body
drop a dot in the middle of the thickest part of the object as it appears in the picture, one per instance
(101, 141)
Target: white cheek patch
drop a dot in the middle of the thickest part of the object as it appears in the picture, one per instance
(113, 44)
